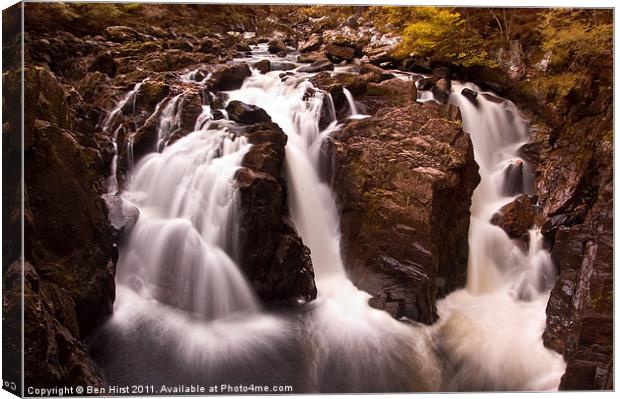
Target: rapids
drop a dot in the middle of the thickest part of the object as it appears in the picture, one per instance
(185, 314)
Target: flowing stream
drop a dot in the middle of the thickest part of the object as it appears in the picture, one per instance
(184, 313)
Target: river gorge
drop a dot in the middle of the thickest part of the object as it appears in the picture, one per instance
(275, 199)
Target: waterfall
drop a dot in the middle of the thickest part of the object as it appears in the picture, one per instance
(176, 252)
(491, 332)
(184, 313)
(349, 340)
(169, 121)
(126, 105)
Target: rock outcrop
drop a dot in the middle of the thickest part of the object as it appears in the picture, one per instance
(69, 243)
(403, 179)
(271, 253)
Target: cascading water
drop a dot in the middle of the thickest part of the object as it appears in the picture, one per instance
(183, 305)
(126, 105)
(491, 332)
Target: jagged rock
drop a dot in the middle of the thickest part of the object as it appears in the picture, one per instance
(274, 258)
(470, 95)
(318, 66)
(229, 77)
(517, 217)
(69, 257)
(245, 113)
(312, 44)
(401, 177)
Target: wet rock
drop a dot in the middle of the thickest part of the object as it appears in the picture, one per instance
(470, 95)
(245, 113)
(229, 77)
(338, 53)
(441, 91)
(312, 44)
(282, 66)
(151, 93)
(401, 177)
(274, 258)
(263, 66)
(104, 63)
(318, 66)
(517, 217)
(277, 46)
(442, 73)
(514, 176)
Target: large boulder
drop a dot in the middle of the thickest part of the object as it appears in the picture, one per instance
(338, 53)
(229, 77)
(403, 179)
(245, 113)
(517, 217)
(274, 258)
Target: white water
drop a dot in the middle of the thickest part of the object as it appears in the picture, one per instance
(491, 332)
(126, 104)
(176, 277)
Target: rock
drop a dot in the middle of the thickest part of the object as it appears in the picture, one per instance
(245, 113)
(263, 66)
(401, 177)
(274, 258)
(151, 93)
(441, 91)
(338, 53)
(426, 83)
(104, 63)
(470, 95)
(318, 66)
(277, 46)
(308, 58)
(209, 46)
(517, 217)
(312, 44)
(514, 176)
(442, 72)
(69, 253)
(282, 66)
(122, 34)
(229, 77)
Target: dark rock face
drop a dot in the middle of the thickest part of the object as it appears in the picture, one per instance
(68, 248)
(244, 113)
(263, 66)
(312, 44)
(470, 95)
(273, 255)
(403, 180)
(573, 158)
(277, 46)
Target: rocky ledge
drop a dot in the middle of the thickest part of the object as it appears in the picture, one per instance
(271, 253)
(403, 178)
